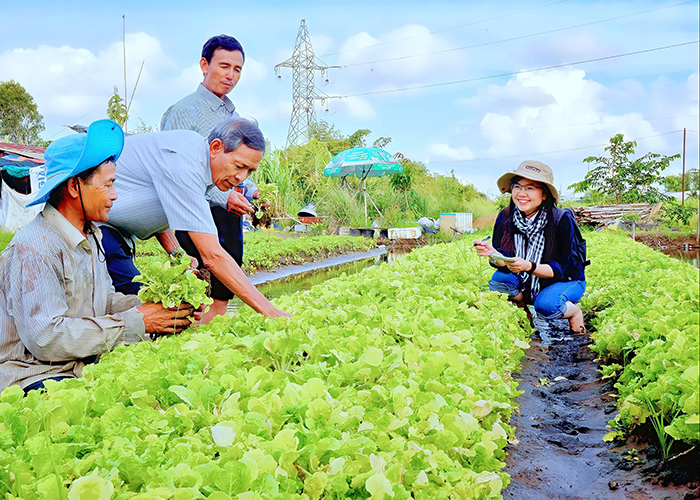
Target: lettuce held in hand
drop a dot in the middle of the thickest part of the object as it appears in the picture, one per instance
(171, 283)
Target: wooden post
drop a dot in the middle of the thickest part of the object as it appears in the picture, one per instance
(125, 89)
(683, 177)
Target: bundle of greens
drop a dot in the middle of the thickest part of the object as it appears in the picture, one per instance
(171, 283)
(268, 195)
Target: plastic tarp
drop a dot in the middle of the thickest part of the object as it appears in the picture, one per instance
(14, 215)
(15, 166)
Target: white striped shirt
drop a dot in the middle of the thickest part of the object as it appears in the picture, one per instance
(57, 303)
(161, 182)
(201, 111)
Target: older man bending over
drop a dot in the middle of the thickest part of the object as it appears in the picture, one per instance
(162, 179)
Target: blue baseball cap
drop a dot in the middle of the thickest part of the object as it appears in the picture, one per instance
(72, 155)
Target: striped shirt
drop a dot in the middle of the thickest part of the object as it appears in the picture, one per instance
(201, 111)
(58, 308)
(161, 182)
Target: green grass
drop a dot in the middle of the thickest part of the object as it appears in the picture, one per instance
(5, 239)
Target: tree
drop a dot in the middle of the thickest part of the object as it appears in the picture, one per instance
(116, 108)
(674, 184)
(404, 181)
(336, 142)
(143, 128)
(381, 142)
(622, 179)
(20, 120)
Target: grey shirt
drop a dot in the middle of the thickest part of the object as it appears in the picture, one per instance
(57, 303)
(201, 111)
(161, 182)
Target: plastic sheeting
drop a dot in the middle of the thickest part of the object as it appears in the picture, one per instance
(15, 166)
(13, 213)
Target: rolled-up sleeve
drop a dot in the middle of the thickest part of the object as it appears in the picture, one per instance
(37, 302)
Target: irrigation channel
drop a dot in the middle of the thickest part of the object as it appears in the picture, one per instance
(291, 279)
(563, 411)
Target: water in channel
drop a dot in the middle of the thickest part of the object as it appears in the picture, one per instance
(690, 256)
(283, 282)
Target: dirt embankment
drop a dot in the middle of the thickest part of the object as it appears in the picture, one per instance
(663, 241)
(563, 415)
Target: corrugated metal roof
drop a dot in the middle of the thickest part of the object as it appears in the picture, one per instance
(34, 152)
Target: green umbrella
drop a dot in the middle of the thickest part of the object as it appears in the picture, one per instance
(363, 163)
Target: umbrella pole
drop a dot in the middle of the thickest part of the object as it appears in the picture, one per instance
(364, 191)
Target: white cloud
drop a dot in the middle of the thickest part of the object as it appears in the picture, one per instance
(356, 107)
(72, 84)
(321, 44)
(575, 114)
(444, 151)
(67, 82)
(556, 115)
(253, 71)
(414, 53)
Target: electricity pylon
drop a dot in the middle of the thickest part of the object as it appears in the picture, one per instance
(303, 63)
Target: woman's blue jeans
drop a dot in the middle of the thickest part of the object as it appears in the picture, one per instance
(550, 302)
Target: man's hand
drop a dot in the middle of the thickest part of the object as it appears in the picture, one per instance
(273, 312)
(238, 204)
(256, 194)
(161, 320)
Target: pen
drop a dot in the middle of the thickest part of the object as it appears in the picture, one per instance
(482, 241)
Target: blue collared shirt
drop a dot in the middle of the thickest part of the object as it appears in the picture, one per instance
(201, 111)
(161, 182)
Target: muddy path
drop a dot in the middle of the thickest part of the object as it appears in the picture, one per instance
(563, 414)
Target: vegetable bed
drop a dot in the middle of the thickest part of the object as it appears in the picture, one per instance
(392, 383)
(265, 251)
(647, 330)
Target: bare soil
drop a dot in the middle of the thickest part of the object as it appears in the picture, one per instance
(562, 419)
(662, 241)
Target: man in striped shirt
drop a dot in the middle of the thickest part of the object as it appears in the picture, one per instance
(221, 63)
(58, 308)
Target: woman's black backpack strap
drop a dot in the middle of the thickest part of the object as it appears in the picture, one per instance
(579, 247)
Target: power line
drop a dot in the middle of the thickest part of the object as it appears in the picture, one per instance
(548, 32)
(77, 120)
(587, 124)
(513, 73)
(546, 152)
(444, 29)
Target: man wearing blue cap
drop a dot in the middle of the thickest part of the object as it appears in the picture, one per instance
(58, 308)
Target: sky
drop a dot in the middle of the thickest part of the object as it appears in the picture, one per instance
(470, 87)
